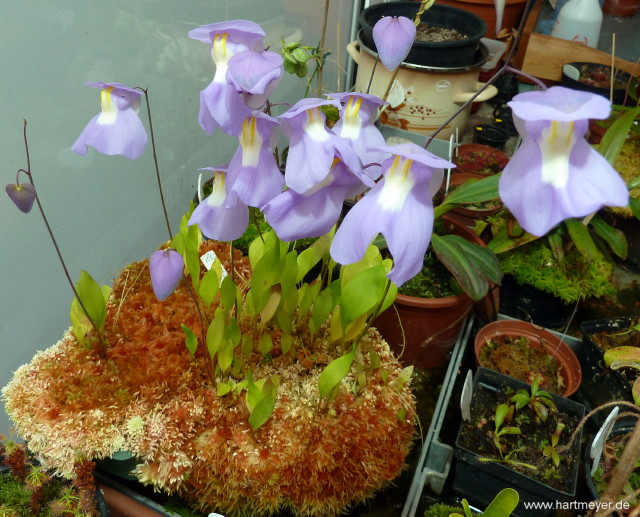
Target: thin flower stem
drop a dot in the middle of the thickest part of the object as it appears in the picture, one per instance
(155, 160)
(491, 80)
(390, 85)
(321, 46)
(534, 80)
(373, 71)
(207, 357)
(103, 349)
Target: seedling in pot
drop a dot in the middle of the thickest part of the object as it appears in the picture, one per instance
(504, 413)
(539, 400)
(550, 449)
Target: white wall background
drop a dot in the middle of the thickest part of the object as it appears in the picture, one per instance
(105, 211)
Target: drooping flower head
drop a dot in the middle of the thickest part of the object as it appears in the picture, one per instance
(255, 75)
(253, 174)
(221, 216)
(356, 124)
(23, 195)
(556, 174)
(312, 214)
(393, 36)
(400, 207)
(117, 129)
(220, 104)
(165, 268)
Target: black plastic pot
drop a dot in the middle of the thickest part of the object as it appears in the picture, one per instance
(570, 70)
(480, 481)
(440, 54)
(601, 384)
(487, 134)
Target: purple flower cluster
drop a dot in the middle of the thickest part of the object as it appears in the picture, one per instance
(554, 175)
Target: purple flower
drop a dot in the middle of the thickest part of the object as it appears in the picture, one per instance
(221, 216)
(255, 75)
(356, 125)
(253, 174)
(312, 214)
(23, 195)
(117, 129)
(220, 104)
(312, 147)
(165, 267)
(400, 207)
(393, 36)
(556, 174)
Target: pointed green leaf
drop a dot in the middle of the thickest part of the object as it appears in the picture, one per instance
(215, 333)
(612, 236)
(222, 388)
(225, 355)
(501, 412)
(228, 293)
(93, 299)
(232, 332)
(308, 258)
(579, 233)
(334, 372)
(262, 412)
(472, 265)
(635, 391)
(371, 258)
(191, 341)
(265, 344)
(557, 245)
(209, 286)
(614, 138)
(254, 393)
(485, 189)
(324, 304)
(286, 342)
(404, 377)
(192, 257)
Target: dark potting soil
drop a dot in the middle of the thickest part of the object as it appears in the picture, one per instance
(523, 360)
(433, 34)
(525, 448)
(614, 338)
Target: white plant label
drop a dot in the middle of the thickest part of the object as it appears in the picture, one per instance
(598, 442)
(209, 258)
(465, 397)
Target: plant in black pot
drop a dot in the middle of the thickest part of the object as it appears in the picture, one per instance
(518, 436)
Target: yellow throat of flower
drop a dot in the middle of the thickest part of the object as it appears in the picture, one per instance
(398, 182)
(109, 109)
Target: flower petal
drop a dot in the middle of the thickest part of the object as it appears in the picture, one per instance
(393, 36)
(23, 196)
(165, 267)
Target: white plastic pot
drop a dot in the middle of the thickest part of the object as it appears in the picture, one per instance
(422, 97)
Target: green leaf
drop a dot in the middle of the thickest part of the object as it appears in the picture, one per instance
(192, 258)
(521, 399)
(325, 303)
(215, 333)
(614, 138)
(635, 391)
(634, 204)
(404, 377)
(191, 341)
(557, 245)
(225, 355)
(254, 393)
(370, 259)
(501, 412)
(612, 236)
(228, 293)
(209, 286)
(503, 504)
(93, 299)
(222, 388)
(286, 342)
(362, 294)
(334, 372)
(265, 274)
(311, 256)
(265, 344)
(485, 189)
(473, 266)
(622, 357)
(579, 233)
(502, 241)
(262, 412)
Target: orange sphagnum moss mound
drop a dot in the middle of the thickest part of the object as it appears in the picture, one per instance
(151, 398)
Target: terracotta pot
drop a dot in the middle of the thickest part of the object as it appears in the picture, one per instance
(485, 9)
(427, 327)
(472, 158)
(571, 371)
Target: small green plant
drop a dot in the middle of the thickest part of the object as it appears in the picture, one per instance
(504, 413)
(549, 450)
(503, 504)
(539, 400)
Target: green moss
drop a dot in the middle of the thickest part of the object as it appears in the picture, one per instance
(570, 279)
(442, 510)
(434, 281)
(628, 165)
(15, 496)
